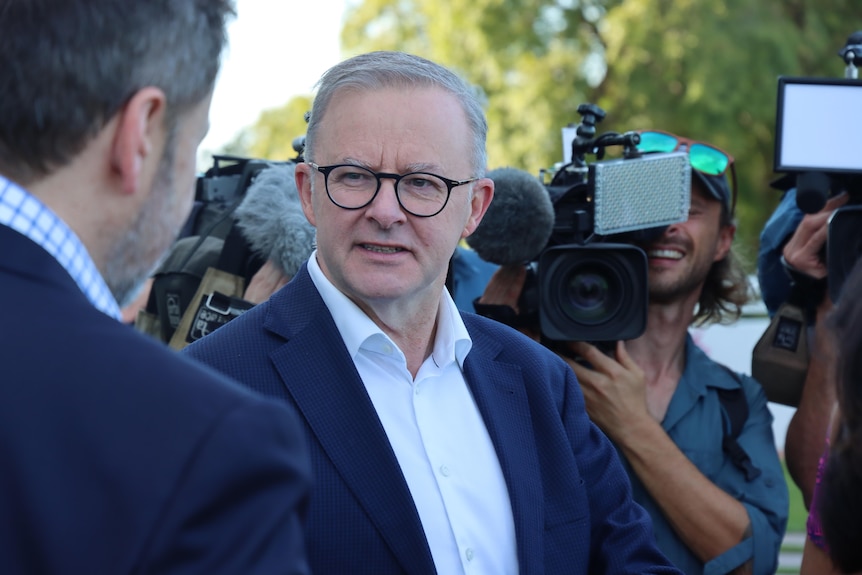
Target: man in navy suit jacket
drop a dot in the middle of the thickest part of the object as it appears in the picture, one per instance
(440, 442)
(118, 455)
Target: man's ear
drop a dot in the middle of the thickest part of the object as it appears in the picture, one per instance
(483, 193)
(725, 240)
(303, 176)
(140, 139)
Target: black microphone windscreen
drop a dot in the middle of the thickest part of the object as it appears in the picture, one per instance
(812, 191)
(518, 223)
(271, 219)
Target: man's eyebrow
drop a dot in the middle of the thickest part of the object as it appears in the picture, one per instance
(424, 167)
(408, 168)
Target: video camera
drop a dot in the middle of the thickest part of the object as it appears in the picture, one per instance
(587, 278)
(246, 212)
(818, 123)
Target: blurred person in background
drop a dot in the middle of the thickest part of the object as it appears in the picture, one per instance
(838, 497)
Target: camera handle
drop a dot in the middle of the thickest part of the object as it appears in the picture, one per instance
(851, 53)
(586, 142)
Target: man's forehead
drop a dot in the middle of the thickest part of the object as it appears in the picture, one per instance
(699, 191)
(423, 127)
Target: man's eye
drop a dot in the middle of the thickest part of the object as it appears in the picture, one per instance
(351, 176)
(418, 182)
(424, 183)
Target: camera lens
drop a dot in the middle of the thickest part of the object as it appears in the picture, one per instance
(590, 293)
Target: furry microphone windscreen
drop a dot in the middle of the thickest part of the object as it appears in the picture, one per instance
(518, 222)
(271, 219)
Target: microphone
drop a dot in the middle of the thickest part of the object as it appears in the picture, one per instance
(519, 221)
(812, 191)
(271, 219)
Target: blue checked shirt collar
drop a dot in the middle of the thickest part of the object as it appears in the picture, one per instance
(25, 214)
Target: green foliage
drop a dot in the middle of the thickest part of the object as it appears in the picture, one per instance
(271, 137)
(708, 70)
(705, 69)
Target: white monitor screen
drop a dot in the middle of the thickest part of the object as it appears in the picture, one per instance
(819, 125)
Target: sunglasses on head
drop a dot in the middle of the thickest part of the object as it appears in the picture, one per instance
(704, 158)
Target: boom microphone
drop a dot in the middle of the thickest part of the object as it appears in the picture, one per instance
(271, 219)
(519, 221)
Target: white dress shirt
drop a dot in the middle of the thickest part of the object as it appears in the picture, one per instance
(437, 434)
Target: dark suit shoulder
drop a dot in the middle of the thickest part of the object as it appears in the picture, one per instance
(131, 443)
(490, 336)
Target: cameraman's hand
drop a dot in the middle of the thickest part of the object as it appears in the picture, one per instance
(803, 250)
(614, 389)
(504, 288)
(505, 285)
(268, 279)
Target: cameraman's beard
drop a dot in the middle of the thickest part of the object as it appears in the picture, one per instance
(139, 253)
(680, 288)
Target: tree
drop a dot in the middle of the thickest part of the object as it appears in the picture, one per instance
(706, 69)
(271, 137)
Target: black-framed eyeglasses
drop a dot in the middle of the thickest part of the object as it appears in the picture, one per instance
(419, 193)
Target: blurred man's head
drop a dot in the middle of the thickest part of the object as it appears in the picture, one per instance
(104, 105)
(68, 67)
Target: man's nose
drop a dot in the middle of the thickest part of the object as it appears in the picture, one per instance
(385, 206)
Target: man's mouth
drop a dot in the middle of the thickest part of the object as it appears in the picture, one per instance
(381, 249)
(665, 254)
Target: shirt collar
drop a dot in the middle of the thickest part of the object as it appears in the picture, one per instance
(26, 214)
(701, 372)
(452, 342)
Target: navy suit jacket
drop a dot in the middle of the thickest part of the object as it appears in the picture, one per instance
(118, 455)
(571, 498)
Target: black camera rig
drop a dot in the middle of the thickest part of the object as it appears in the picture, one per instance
(590, 283)
(817, 129)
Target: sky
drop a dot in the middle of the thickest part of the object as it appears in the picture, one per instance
(277, 49)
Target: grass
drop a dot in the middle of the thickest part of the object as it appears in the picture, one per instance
(795, 520)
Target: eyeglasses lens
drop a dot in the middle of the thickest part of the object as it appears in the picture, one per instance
(353, 187)
(707, 159)
(703, 158)
(657, 142)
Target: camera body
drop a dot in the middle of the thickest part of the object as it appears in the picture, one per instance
(590, 282)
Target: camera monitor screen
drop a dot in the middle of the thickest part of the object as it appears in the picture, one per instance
(819, 125)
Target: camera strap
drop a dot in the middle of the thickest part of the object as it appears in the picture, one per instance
(735, 407)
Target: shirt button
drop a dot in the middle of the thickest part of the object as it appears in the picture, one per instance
(387, 349)
(469, 554)
(445, 472)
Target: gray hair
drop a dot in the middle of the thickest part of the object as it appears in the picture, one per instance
(68, 66)
(377, 70)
